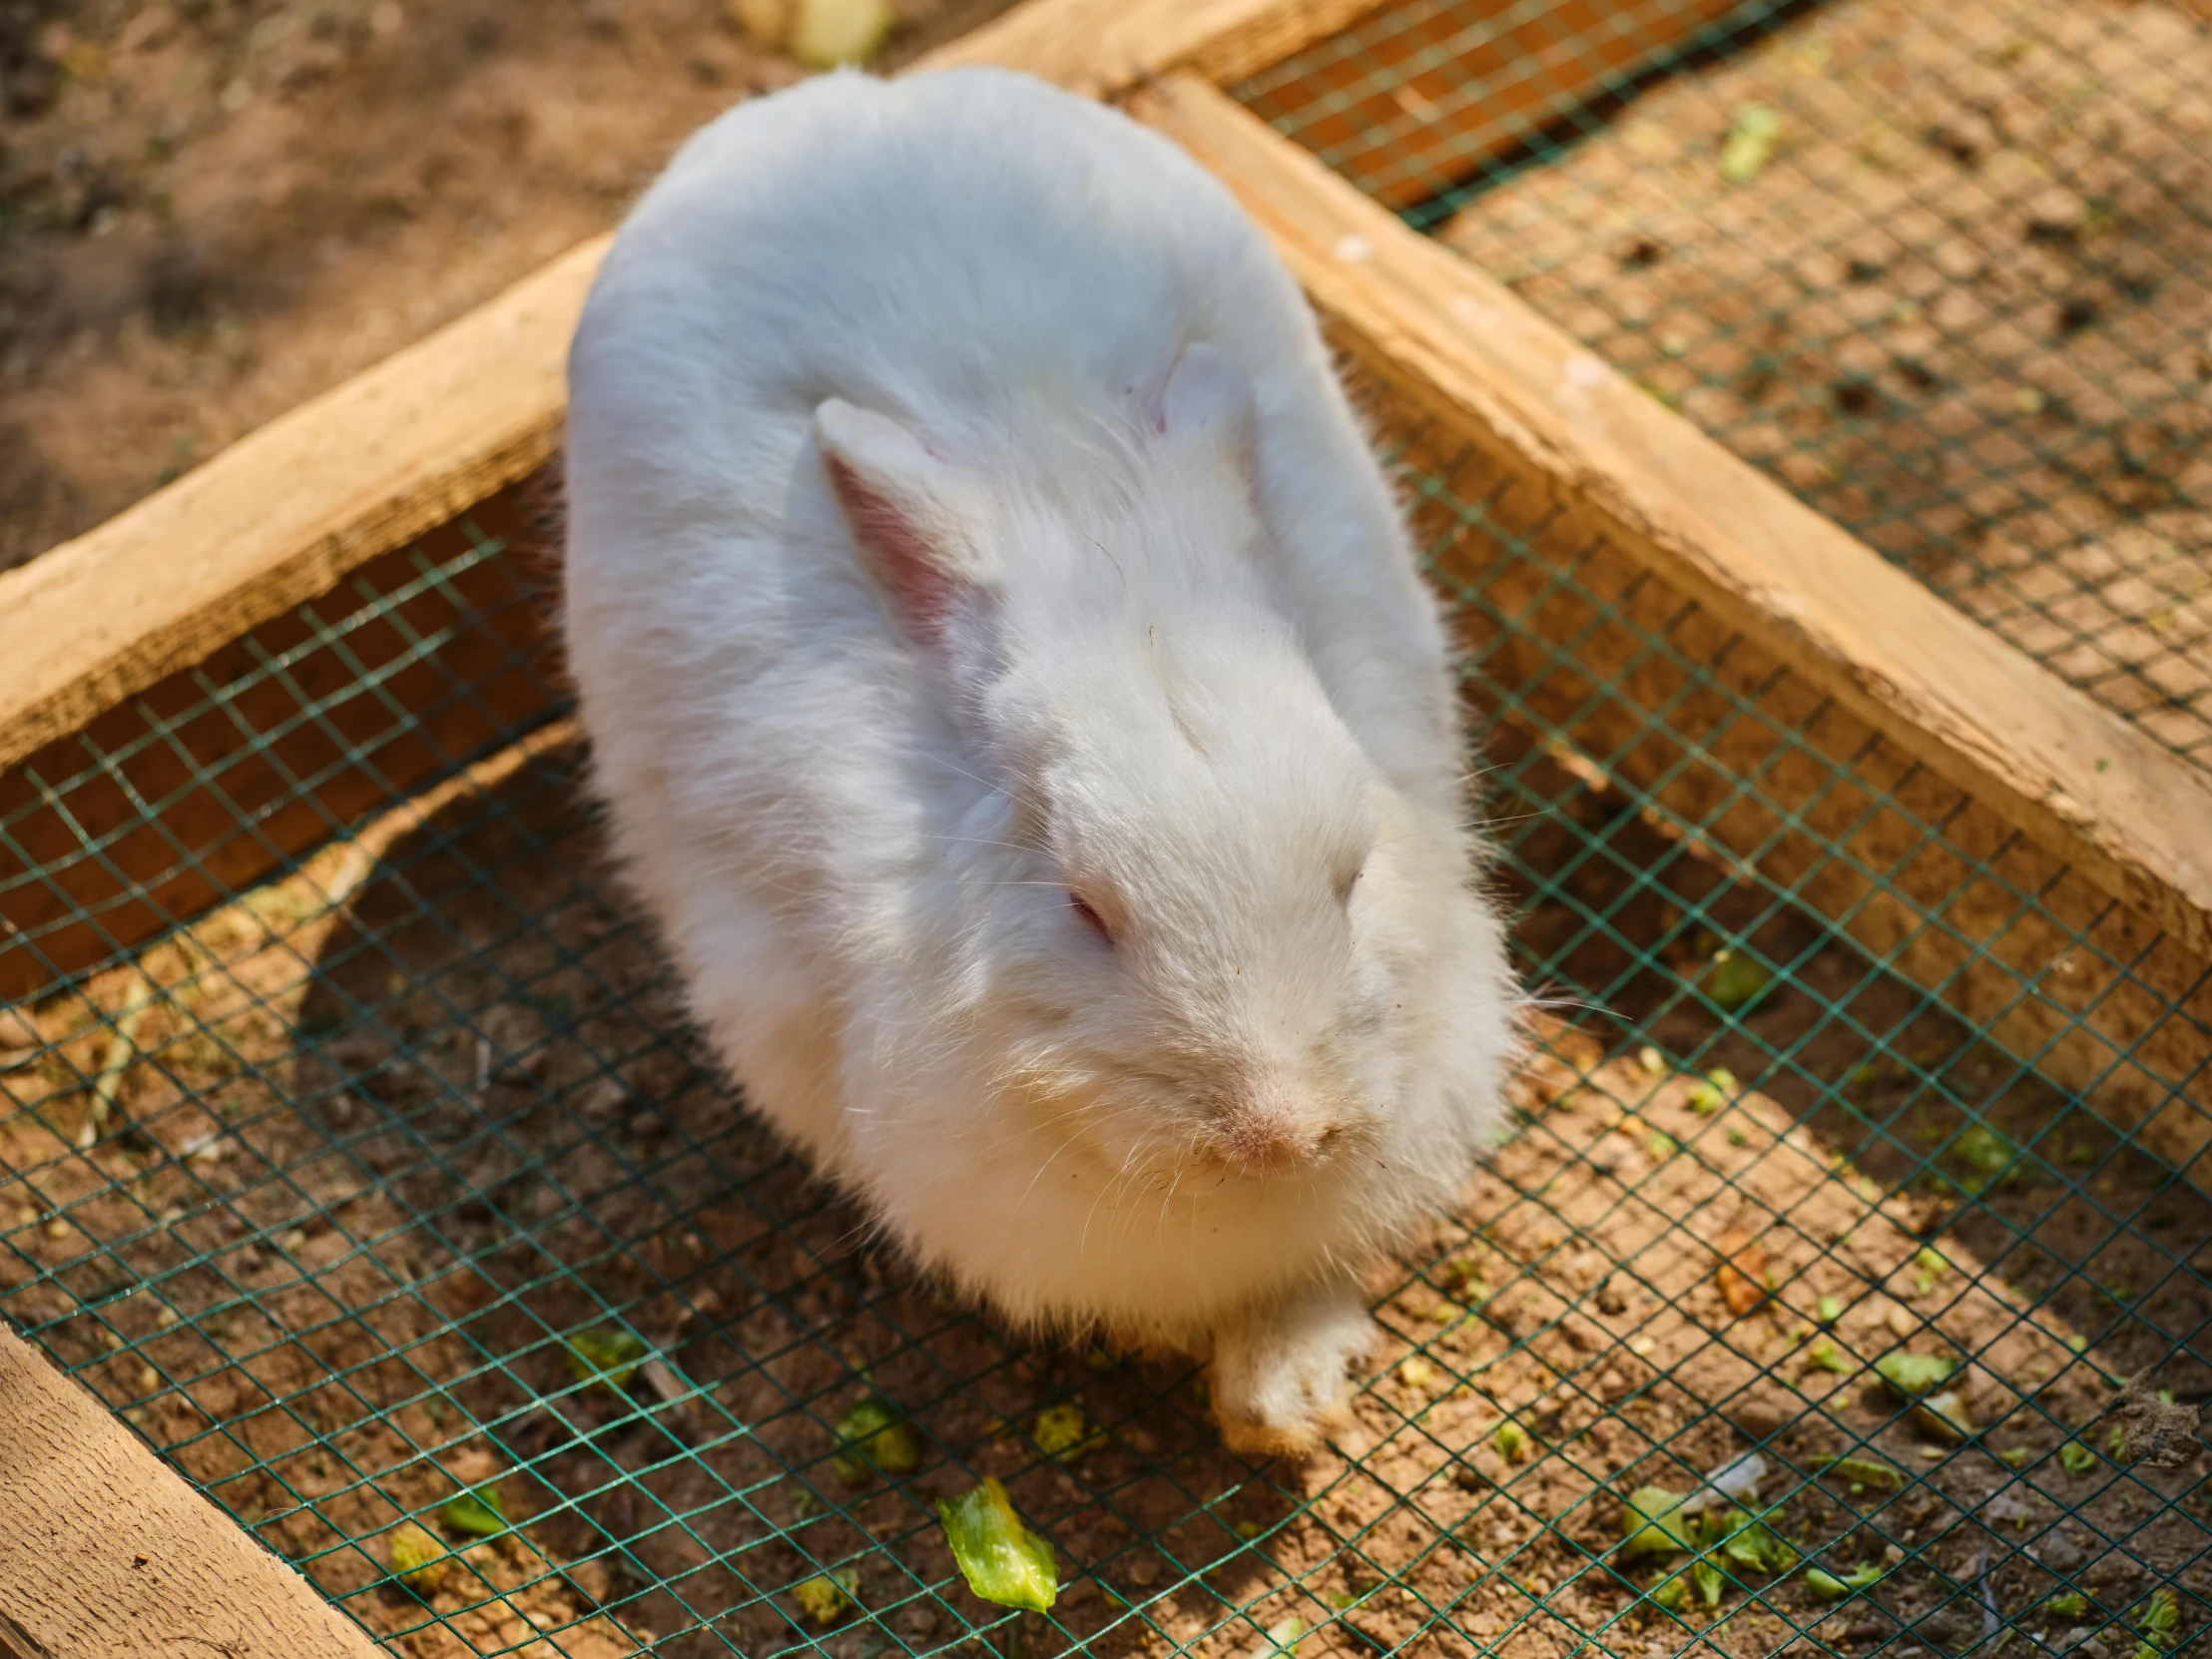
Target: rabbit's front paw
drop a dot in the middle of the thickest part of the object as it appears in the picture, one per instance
(1281, 1381)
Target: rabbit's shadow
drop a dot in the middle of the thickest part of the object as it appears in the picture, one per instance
(492, 1039)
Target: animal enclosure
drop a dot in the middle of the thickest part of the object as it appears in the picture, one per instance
(355, 1155)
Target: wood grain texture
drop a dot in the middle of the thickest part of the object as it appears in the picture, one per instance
(2064, 772)
(1102, 48)
(1959, 812)
(105, 1551)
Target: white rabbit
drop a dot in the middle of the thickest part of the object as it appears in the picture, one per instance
(1013, 697)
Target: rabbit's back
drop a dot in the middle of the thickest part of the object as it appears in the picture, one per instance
(980, 257)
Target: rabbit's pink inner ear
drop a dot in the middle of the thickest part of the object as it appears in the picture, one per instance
(897, 542)
(906, 512)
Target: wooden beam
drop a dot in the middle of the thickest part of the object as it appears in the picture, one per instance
(1102, 48)
(2108, 997)
(109, 1553)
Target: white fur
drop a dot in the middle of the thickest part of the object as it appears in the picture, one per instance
(1194, 672)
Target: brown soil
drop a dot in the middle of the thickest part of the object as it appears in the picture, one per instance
(371, 1164)
(1963, 308)
(211, 210)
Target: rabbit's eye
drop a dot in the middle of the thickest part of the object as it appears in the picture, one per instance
(1089, 915)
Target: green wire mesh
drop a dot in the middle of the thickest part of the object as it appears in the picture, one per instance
(397, 1177)
(1942, 270)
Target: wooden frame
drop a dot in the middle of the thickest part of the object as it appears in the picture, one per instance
(118, 629)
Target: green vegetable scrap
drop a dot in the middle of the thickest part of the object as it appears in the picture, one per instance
(2071, 1605)
(876, 1435)
(1703, 1098)
(1829, 1357)
(1509, 1441)
(1735, 981)
(1002, 1560)
(1416, 1373)
(1930, 1265)
(1911, 1375)
(1860, 1469)
(1673, 1594)
(1063, 1433)
(1708, 1581)
(417, 1559)
(605, 1359)
(1945, 1416)
(1282, 1639)
(1652, 1523)
(826, 32)
(1986, 1157)
(1752, 1545)
(2159, 1617)
(478, 1513)
(1752, 139)
(1835, 1588)
(1831, 1309)
(2076, 1458)
(827, 1598)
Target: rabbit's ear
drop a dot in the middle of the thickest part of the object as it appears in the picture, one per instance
(1207, 399)
(912, 516)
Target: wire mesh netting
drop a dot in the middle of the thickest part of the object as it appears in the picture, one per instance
(390, 1200)
(1942, 270)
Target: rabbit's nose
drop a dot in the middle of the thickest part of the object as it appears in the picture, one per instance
(1262, 1140)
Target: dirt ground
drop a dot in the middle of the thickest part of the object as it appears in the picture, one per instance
(387, 1138)
(388, 1134)
(211, 210)
(1957, 297)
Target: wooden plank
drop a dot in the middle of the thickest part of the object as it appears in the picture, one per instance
(1425, 95)
(109, 1553)
(106, 638)
(2035, 790)
(1102, 48)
